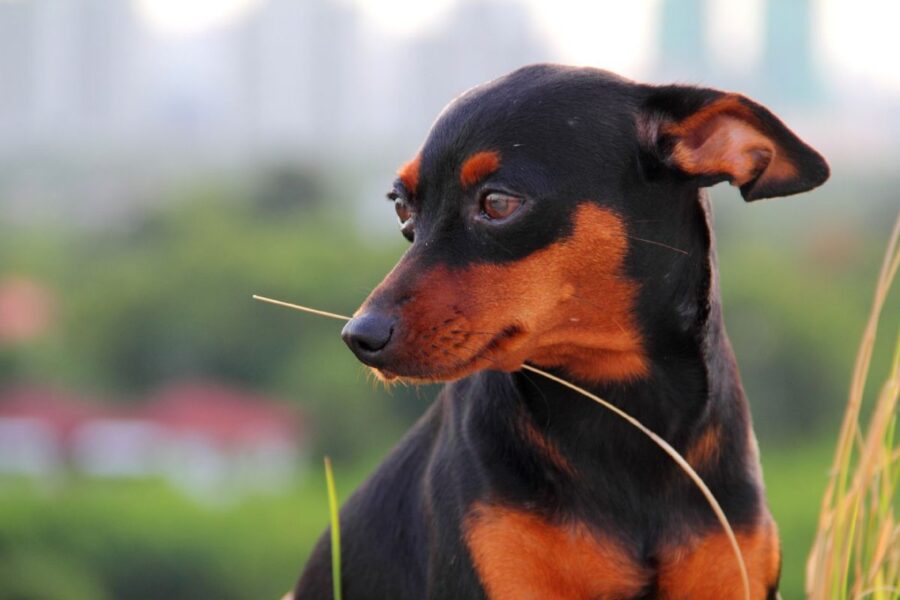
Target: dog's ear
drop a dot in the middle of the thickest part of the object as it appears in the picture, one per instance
(715, 136)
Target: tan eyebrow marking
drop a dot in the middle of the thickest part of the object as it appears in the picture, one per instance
(478, 166)
(409, 174)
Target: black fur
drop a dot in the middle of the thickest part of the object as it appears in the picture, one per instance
(567, 136)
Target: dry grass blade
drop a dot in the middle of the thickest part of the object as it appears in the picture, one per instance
(334, 517)
(663, 444)
(856, 553)
(306, 309)
(679, 460)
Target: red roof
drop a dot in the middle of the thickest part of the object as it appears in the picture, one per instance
(61, 410)
(225, 413)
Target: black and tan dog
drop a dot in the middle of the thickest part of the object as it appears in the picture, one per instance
(556, 219)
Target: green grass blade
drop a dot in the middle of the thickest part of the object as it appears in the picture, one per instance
(335, 530)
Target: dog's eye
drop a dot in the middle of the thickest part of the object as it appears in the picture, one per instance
(404, 212)
(496, 205)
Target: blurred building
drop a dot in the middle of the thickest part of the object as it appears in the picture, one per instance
(786, 73)
(204, 438)
(683, 45)
(291, 75)
(37, 427)
(310, 76)
(68, 71)
(480, 40)
(18, 40)
(788, 70)
(300, 62)
(97, 108)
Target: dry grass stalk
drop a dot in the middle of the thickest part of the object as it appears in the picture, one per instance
(665, 446)
(856, 553)
(679, 460)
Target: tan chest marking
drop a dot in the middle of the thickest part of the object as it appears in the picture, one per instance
(704, 452)
(520, 556)
(707, 568)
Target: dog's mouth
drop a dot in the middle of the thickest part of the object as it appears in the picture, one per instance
(489, 357)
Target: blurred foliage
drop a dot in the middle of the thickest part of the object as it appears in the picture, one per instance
(796, 474)
(165, 294)
(797, 277)
(141, 541)
(45, 574)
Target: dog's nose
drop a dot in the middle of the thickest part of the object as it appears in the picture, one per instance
(368, 334)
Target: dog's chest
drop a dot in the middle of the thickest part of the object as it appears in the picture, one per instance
(520, 556)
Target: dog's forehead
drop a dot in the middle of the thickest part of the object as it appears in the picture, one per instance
(528, 111)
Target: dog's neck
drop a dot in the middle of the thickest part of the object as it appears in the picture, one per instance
(692, 390)
(692, 372)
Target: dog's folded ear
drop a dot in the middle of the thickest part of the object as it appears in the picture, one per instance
(714, 136)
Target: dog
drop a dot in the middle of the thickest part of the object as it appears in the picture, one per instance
(557, 219)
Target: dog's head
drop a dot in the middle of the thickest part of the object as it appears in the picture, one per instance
(542, 208)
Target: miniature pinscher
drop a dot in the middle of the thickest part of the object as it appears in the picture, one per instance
(557, 219)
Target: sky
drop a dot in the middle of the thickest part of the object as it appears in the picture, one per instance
(856, 39)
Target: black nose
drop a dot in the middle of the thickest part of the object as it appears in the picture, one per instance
(368, 334)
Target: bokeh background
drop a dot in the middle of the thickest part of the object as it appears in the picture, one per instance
(161, 434)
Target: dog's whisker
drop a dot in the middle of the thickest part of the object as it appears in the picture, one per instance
(598, 307)
(463, 362)
(619, 325)
(656, 243)
(464, 332)
(587, 301)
